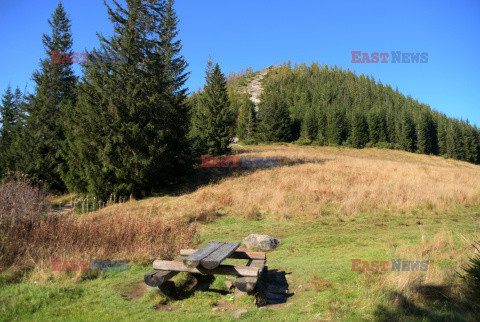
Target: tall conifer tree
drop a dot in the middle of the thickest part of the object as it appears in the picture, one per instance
(311, 124)
(214, 118)
(7, 116)
(360, 134)
(246, 123)
(7, 125)
(427, 134)
(275, 123)
(408, 137)
(130, 123)
(55, 83)
(338, 127)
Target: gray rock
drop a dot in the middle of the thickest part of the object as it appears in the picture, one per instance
(238, 313)
(263, 242)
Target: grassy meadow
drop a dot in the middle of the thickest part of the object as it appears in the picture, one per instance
(328, 206)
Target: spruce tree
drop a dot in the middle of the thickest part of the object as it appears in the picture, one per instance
(20, 113)
(130, 123)
(377, 127)
(7, 117)
(167, 80)
(442, 135)
(322, 127)
(476, 134)
(338, 127)
(7, 125)
(454, 140)
(214, 118)
(427, 134)
(360, 135)
(391, 128)
(408, 136)
(54, 91)
(246, 123)
(469, 144)
(311, 124)
(275, 123)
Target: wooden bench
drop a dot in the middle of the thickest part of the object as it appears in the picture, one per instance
(207, 260)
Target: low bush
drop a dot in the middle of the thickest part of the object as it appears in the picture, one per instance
(21, 199)
(472, 276)
(303, 141)
(249, 142)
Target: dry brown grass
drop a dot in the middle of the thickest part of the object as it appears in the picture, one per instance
(31, 238)
(320, 283)
(448, 255)
(28, 244)
(311, 180)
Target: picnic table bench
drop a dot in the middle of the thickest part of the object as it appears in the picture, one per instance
(208, 260)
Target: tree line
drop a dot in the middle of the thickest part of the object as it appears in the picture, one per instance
(330, 106)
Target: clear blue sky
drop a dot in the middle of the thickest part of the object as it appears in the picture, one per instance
(260, 33)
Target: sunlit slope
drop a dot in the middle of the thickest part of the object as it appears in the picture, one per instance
(311, 182)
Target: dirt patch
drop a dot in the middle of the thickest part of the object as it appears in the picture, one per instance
(133, 291)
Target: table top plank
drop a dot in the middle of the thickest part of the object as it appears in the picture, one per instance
(194, 259)
(236, 254)
(219, 255)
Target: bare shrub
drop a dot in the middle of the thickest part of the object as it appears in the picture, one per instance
(19, 198)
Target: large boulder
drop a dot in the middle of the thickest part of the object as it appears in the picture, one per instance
(261, 242)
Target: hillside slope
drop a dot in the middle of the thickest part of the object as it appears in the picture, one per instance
(312, 181)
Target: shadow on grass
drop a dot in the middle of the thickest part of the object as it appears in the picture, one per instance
(194, 283)
(427, 302)
(273, 288)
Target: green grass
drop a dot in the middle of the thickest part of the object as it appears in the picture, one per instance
(316, 256)
(59, 201)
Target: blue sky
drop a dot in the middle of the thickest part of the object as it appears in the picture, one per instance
(239, 34)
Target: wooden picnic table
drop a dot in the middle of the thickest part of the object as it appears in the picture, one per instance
(208, 260)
